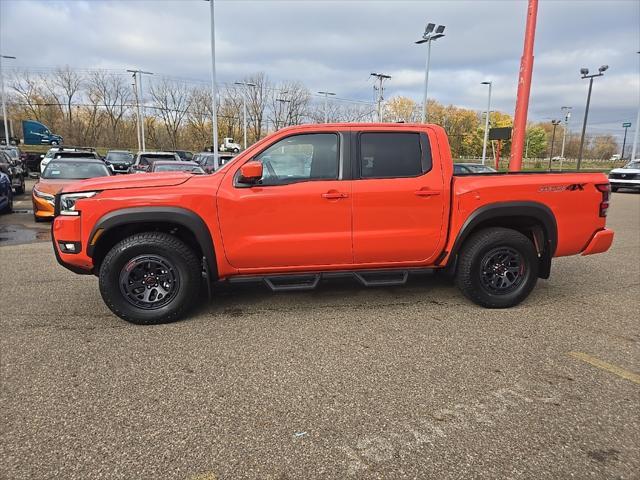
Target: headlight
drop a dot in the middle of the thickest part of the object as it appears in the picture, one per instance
(45, 196)
(68, 202)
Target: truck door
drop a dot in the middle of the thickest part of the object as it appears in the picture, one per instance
(300, 213)
(398, 198)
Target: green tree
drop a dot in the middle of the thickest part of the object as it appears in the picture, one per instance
(536, 142)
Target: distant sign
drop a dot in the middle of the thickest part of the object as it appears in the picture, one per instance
(502, 133)
(626, 125)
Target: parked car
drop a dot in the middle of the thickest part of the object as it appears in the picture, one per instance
(173, 166)
(6, 194)
(143, 160)
(469, 168)
(59, 173)
(228, 145)
(67, 152)
(185, 155)
(119, 161)
(626, 177)
(374, 202)
(207, 160)
(13, 170)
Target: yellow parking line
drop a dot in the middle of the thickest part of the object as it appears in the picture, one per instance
(596, 362)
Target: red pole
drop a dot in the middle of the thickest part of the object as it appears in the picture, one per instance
(524, 88)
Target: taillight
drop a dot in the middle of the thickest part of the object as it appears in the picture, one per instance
(605, 189)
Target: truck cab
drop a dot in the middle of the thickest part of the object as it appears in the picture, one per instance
(228, 145)
(36, 133)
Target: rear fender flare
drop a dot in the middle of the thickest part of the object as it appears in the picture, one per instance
(537, 211)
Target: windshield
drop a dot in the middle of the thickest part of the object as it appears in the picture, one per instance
(72, 170)
(125, 157)
(178, 168)
(635, 165)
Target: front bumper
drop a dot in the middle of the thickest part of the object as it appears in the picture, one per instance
(69, 230)
(600, 242)
(624, 183)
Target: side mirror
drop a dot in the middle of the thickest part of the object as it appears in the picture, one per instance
(251, 172)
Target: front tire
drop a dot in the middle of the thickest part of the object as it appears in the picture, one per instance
(498, 268)
(150, 278)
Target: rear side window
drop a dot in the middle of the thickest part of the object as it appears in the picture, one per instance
(391, 154)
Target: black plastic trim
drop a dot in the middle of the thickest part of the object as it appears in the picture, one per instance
(174, 215)
(72, 268)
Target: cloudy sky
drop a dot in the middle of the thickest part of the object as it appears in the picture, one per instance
(335, 44)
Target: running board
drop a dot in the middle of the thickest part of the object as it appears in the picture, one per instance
(309, 281)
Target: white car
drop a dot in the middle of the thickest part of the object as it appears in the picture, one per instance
(626, 177)
(66, 152)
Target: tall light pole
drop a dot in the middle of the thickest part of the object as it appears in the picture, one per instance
(137, 76)
(626, 126)
(634, 149)
(244, 109)
(585, 74)
(429, 36)
(567, 116)
(486, 124)
(286, 102)
(135, 95)
(214, 88)
(4, 106)
(380, 89)
(555, 124)
(326, 105)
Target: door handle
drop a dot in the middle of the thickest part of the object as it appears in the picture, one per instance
(426, 193)
(334, 195)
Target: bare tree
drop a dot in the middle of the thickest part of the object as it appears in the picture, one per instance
(63, 86)
(172, 100)
(111, 92)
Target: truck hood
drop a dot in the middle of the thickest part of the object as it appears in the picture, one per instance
(134, 180)
(633, 171)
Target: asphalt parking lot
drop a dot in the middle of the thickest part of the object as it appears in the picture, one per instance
(342, 382)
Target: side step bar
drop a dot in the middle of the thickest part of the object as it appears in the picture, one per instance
(309, 281)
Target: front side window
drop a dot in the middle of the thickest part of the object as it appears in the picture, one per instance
(299, 158)
(392, 155)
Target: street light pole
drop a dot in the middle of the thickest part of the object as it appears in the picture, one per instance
(634, 149)
(137, 75)
(624, 140)
(428, 36)
(555, 124)
(486, 124)
(214, 89)
(4, 106)
(326, 105)
(286, 102)
(564, 134)
(244, 109)
(585, 74)
(381, 78)
(135, 94)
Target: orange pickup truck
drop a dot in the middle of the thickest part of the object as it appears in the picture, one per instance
(372, 201)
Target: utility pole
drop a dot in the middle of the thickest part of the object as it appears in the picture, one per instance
(626, 126)
(380, 89)
(585, 74)
(567, 116)
(486, 124)
(555, 124)
(244, 109)
(428, 36)
(524, 89)
(137, 76)
(4, 106)
(326, 105)
(286, 102)
(135, 95)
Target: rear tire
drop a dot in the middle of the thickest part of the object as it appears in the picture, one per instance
(150, 278)
(20, 189)
(498, 268)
